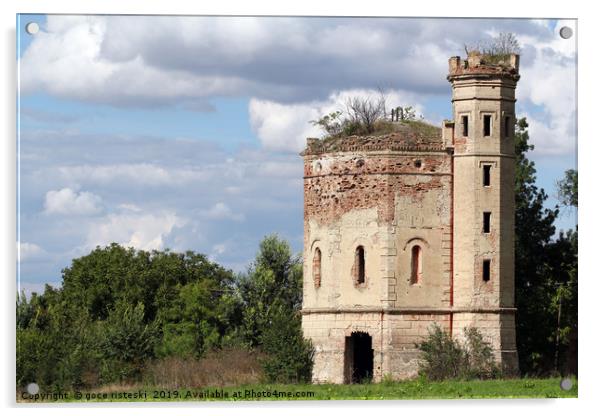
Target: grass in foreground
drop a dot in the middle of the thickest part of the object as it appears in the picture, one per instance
(412, 389)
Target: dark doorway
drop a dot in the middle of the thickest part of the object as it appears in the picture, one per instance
(359, 358)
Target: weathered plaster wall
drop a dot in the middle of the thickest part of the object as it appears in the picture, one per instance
(387, 204)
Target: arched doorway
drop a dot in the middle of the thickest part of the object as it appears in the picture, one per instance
(359, 358)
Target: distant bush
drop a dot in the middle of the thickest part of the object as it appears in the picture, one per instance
(127, 342)
(447, 358)
(289, 356)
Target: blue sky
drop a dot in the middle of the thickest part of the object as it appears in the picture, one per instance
(184, 132)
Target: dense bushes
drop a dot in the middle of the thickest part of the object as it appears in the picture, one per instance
(272, 295)
(289, 356)
(446, 358)
(119, 310)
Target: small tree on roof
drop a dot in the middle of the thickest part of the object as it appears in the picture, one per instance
(495, 49)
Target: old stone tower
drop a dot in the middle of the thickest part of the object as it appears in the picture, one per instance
(412, 228)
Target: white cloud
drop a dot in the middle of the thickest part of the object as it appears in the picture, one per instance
(136, 173)
(221, 211)
(549, 82)
(69, 202)
(27, 251)
(67, 60)
(147, 60)
(285, 127)
(130, 207)
(218, 249)
(553, 136)
(140, 231)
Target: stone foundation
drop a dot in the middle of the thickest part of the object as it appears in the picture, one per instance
(394, 336)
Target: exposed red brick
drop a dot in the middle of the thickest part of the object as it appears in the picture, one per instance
(342, 184)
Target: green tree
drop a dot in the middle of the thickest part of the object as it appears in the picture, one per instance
(127, 342)
(289, 356)
(54, 348)
(191, 325)
(272, 294)
(564, 265)
(275, 275)
(117, 308)
(545, 267)
(567, 188)
(534, 230)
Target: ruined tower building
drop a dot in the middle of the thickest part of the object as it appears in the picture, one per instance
(411, 228)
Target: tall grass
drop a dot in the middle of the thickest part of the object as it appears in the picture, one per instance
(222, 368)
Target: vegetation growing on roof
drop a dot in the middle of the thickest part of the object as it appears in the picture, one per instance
(367, 116)
(495, 51)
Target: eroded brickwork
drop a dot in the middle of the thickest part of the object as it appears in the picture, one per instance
(336, 184)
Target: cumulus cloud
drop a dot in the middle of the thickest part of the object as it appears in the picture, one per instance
(137, 173)
(285, 127)
(280, 126)
(81, 70)
(143, 231)
(114, 59)
(27, 251)
(554, 135)
(221, 211)
(129, 207)
(290, 66)
(66, 201)
(550, 83)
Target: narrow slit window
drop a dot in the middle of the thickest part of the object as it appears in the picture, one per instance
(486, 175)
(486, 270)
(487, 222)
(360, 265)
(464, 126)
(487, 125)
(317, 268)
(416, 265)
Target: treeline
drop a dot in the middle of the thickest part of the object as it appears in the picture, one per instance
(120, 309)
(545, 269)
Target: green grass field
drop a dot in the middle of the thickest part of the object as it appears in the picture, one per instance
(413, 389)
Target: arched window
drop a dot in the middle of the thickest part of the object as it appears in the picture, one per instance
(360, 265)
(416, 265)
(317, 268)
